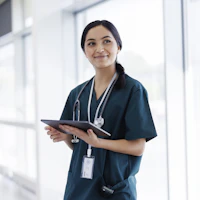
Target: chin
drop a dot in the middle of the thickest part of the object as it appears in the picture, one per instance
(101, 66)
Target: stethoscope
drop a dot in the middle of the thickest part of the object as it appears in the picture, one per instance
(98, 121)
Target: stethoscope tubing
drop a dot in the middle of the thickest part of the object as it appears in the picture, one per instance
(77, 102)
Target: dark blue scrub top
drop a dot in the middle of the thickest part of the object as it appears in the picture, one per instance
(126, 116)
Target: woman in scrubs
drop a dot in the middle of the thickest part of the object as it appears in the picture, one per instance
(101, 167)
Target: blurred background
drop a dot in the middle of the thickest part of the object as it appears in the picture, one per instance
(41, 61)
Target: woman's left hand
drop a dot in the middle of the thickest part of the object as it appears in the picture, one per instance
(130, 147)
(89, 137)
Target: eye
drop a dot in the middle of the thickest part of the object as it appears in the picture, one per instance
(106, 41)
(91, 44)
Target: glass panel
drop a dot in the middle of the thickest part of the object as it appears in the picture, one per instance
(17, 103)
(30, 145)
(7, 82)
(29, 85)
(85, 70)
(17, 152)
(28, 18)
(142, 55)
(193, 97)
(17, 100)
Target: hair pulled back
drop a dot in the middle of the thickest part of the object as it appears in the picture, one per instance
(108, 25)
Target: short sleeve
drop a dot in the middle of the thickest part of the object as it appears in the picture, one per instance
(67, 113)
(138, 118)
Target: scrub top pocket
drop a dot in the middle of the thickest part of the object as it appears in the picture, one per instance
(124, 191)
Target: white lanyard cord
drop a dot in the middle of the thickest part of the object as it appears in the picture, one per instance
(89, 150)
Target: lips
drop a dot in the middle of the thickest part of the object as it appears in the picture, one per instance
(103, 56)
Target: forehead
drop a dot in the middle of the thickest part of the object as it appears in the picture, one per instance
(98, 33)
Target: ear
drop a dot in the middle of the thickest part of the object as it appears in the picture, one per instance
(118, 50)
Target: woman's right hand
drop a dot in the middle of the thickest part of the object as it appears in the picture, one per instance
(55, 135)
(58, 136)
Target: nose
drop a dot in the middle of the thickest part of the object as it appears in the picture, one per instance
(100, 48)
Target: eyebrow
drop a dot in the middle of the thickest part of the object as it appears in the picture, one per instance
(101, 38)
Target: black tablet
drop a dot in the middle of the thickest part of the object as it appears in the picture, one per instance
(84, 125)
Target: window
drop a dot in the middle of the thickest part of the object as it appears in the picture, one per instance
(192, 84)
(142, 56)
(29, 80)
(28, 18)
(17, 116)
(7, 82)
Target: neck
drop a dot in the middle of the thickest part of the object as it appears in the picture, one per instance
(104, 76)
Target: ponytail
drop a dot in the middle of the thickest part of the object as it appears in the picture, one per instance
(121, 79)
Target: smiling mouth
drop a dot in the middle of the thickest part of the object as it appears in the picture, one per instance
(100, 56)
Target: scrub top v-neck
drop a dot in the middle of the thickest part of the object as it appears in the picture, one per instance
(95, 102)
(127, 116)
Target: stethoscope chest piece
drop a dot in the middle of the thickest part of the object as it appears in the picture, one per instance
(75, 140)
(99, 122)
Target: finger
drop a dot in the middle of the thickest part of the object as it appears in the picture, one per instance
(54, 136)
(72, 129)
(64, 127)
(53, 133)
(75, 131)
(90, 132)
(49, 132)
(47, 128)
(57, 140)
(68, 129)
(50, 128)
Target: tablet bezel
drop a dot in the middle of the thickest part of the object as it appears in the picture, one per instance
(83, 125)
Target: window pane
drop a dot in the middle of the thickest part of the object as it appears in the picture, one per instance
(17, 100)
(18, 150)
(17, 104)
(193, 98)
(142, 56)
(28, 18)
(30, 78)
(7, 82)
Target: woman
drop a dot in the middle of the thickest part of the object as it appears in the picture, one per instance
(106, 167)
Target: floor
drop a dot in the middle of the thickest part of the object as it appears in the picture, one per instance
(11, 191)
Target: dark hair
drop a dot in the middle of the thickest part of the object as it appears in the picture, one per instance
(108, 25)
